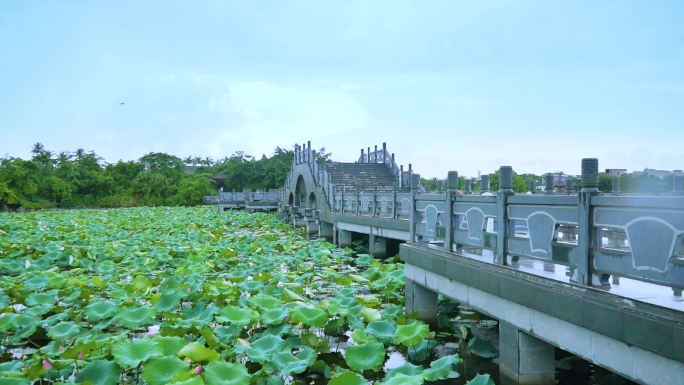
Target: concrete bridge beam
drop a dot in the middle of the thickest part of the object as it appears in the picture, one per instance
(524, 359)
(326, 230)
(344, 238)
(377, 245)
(422, 302)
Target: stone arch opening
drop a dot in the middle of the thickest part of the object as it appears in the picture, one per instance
(300, 192)
(290, 199)
(312, 200)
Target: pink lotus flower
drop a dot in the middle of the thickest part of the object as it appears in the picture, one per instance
(46, 364)
(152, 330)
(198, 369)
(80, 355)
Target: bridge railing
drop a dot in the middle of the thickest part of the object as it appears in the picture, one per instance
(595, 235)
(383, 204)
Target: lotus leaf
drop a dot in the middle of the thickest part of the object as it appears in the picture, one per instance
(135, 317)
(223, 373)
(160, 371)
(441, 369)
(63, 331)
(99, 372)
(170, 345)
(482, 347)
(263, 348)
(347, 378)
(382, 330)
(367, 356)
(265, 302)
(411, 334)
(309, 316)
(274, 316)
(287, 363)
(238, 315)
(130, 354)
(407, 369)
(197, 352)
(481, 379)
(402, 379)
(100, 310)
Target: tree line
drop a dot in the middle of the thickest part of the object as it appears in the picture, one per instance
(83, 179)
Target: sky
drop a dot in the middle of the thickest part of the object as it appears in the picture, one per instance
(448, 85)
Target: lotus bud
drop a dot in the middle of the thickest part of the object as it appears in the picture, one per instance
(80, 355)
(152, 330)
(46, 364)
(198, 369)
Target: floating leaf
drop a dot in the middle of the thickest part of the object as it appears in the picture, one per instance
(99, 372)
(274, 316)
(223, 373)
(264, 348)
(100, 310)
(169, 346)
(63, 331)
(131, 354)
(239, 316)
(160, 371)
(382, 330)
(309, 316)
(411, 334)
(287, 363)
(482, 347)
(347, 378)
(402, 379)
(199, 353)
(135, 317)
(367, 356)
(481, 379)
(442, 368)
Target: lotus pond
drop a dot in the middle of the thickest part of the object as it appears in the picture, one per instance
(193, 296)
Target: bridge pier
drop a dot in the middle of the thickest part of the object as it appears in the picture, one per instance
(524, 359)
(422, 302)
(377, 246)
(344, 238)
(326, 230)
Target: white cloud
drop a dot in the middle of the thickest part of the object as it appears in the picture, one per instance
(264, 114)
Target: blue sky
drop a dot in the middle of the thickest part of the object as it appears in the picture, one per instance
(449, 85)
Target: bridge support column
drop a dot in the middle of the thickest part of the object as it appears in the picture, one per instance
(312, 227)
(377, 246)
(325, 230)
(344, 238)
(422, 302)
(524, 359)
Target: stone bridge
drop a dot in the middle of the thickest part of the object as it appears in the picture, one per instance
(597, 275)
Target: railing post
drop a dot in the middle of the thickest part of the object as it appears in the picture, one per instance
(362, 160)
(548, 184)
(375, 201)
(615, 184)
(342, 200)
(452, 186)
(358, 199)
(678, 184)
(590, 182)
(413, 214)
(468, 186)
(531, 186)
(401, 176)
(505, 190)
(394, 203)
(484, 179)
(384, 153)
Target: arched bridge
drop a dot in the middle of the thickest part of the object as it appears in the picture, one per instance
(598, 275)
